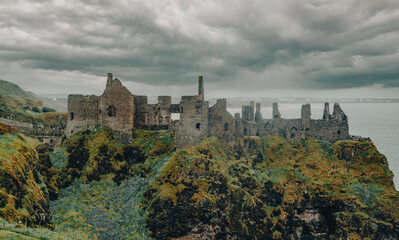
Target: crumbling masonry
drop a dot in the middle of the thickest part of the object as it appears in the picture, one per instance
(118, 109)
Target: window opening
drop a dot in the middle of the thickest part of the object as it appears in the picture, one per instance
(111, 111)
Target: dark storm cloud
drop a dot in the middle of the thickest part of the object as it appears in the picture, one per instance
(319, 44)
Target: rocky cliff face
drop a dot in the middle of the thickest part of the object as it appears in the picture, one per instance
(260, 188)
(23, 194)
(268, 188)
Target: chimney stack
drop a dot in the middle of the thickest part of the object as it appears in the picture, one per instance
(201, 88)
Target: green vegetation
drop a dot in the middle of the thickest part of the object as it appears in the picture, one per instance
(47, 109)
(90, 155)
(263, 182)
(12, 95)
(103, 182)
(18, 105)
(102, 209)
(23, 194)
(37, 119)
(97, 183)
(36, 110)
(262, 188)
(13, 231)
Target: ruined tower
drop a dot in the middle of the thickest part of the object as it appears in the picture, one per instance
(82, 113)
(221, 122)
(326, 113)
(201, 88)
(338, 114)
(109, 79)
(305, 116)
(194, 118)
(258, 114)
(116, 109)
(248, 112)
(276, 112)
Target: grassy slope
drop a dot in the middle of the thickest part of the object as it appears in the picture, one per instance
(12, 95)
(54, 120)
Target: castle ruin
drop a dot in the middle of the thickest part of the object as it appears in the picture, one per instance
(121, 111)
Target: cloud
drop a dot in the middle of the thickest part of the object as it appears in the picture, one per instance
(233, 43)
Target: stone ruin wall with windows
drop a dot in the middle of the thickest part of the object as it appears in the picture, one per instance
(118, 109)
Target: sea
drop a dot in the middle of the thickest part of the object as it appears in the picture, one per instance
(378, 121)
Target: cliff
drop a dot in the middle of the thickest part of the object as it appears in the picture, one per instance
(23, 194)
(268, 188)
(260, 188)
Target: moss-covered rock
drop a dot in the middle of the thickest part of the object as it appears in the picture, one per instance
(103, 202)
(262, 188)
(268, 188)
(51, 176)
(92, 154)
(23, 194)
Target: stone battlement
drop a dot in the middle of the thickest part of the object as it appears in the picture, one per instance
(122, 111)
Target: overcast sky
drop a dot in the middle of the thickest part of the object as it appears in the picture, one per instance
(241, 47)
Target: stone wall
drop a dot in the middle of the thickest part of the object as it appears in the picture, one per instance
(276, 112)
(118, 109)
(239, 131)
(248, 112)
(331, 128)
(143, 112)
(116, 106)
(163, 110)
(293, 129)
(24, 127)
(221, 122)
(193, 124)
(82, 113)
(250, 128)
(258, 114)
(153, 116)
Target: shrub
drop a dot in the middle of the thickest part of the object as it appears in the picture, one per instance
(47, 109)
(36, 109)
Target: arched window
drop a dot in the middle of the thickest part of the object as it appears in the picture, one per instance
(226, 126)
(111, 110)
(72, 115)
(293, 131)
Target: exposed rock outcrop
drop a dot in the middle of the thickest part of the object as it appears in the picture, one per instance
(268, 188)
